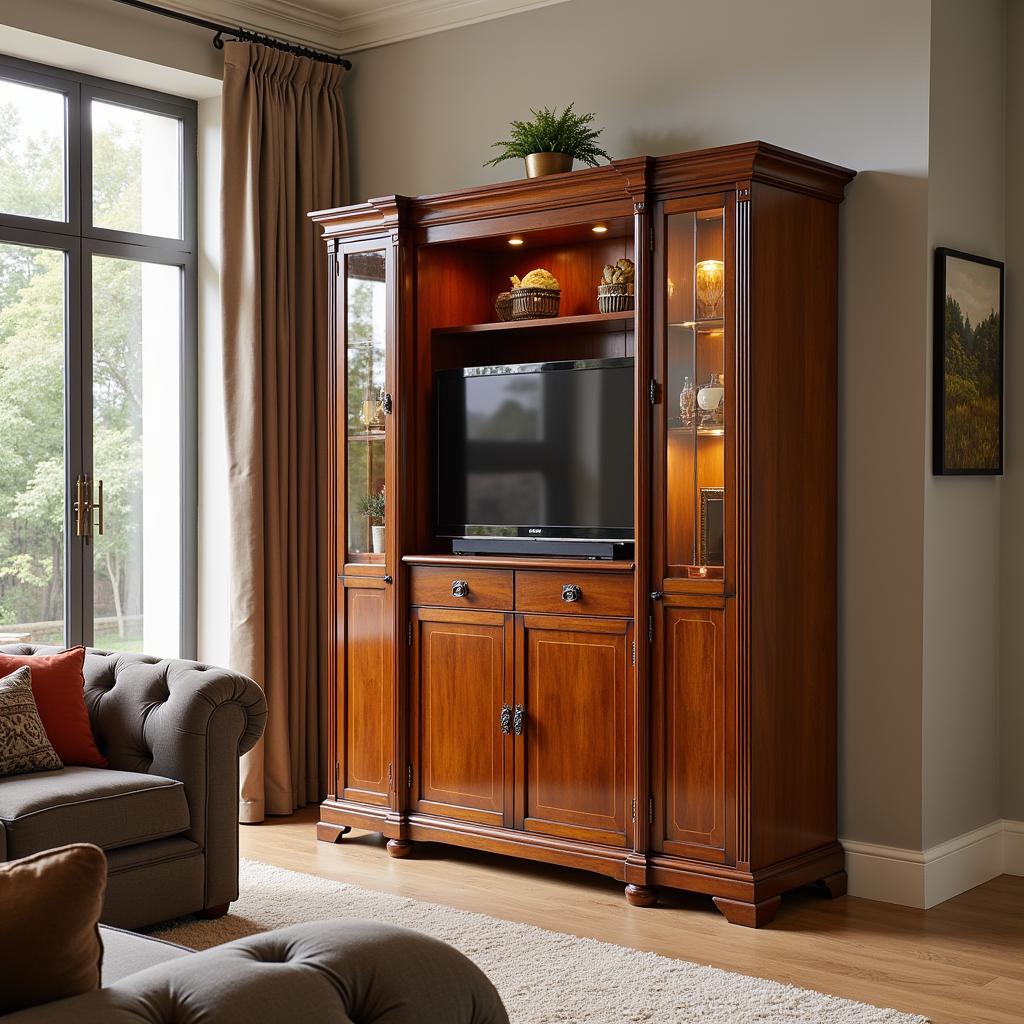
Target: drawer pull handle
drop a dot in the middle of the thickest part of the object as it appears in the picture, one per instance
(571, 592)
(520, 720)
(505, 719)
(460, 588)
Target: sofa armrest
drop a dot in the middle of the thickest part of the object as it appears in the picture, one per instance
(184, 721)
(331, 971)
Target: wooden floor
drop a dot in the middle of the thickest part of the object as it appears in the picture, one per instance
(959, 963)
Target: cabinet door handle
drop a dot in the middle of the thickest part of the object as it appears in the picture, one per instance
(571, 592)
(460, 588)
(520, 720)
(505, 719)
(387, 404)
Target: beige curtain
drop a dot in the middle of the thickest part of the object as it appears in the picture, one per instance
(284, 154)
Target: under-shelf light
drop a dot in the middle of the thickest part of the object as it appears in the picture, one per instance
(515, 241)
(599, 229)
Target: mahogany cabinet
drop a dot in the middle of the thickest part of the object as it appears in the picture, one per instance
(673, 721)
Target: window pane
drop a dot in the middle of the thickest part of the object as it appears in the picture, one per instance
(32, 289)
(32, 151)
(136, 170)
(137, 454)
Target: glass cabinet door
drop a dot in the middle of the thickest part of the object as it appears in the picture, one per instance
(365, 319)
(696, 394)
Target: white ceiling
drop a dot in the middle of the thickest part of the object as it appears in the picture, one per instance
(347, 25)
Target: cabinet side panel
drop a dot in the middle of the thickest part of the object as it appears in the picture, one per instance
(792, 526)
(695, 725)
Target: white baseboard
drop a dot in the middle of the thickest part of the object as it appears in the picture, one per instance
(1013, 847)
(923, 878)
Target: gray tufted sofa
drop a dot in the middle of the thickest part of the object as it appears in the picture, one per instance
(333, 972)
(166, 810)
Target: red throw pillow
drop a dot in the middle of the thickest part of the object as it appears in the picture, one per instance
(58, 686)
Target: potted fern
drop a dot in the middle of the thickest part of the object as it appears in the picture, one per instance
(551, 142)
(372, 507)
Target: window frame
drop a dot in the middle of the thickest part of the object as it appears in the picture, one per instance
(79, 239)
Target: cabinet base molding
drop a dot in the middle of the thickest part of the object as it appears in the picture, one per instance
(641, 895)
(602, 860)
(750, 915)
(744, 897)
(347, 815)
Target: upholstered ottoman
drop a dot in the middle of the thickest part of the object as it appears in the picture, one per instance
(348, 972)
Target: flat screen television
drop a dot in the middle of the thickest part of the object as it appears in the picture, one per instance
(535, 450)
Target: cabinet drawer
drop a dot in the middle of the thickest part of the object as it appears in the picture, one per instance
(579, 593)
(480, 588)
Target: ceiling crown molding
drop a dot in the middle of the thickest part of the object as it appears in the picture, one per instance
(410, 18)
(377, 25)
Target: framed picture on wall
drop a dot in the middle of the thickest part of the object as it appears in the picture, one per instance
(968, 368)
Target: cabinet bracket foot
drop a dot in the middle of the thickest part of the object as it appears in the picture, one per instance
(834, 885)
(328, 833)
(750, 915)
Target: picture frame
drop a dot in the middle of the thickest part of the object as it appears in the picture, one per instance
(967, 400)
(712, 526)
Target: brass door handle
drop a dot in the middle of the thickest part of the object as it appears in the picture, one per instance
(88, 498)
(82, 519)
(519, 721)
(505, 719)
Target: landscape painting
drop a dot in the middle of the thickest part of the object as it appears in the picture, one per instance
(968, 364)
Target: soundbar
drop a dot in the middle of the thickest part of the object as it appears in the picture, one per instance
(541, 547)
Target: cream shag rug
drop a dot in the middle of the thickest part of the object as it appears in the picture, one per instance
(543, 977)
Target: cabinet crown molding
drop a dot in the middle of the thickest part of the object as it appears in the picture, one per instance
(612, 189)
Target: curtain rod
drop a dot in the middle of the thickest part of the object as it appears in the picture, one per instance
(240, 34)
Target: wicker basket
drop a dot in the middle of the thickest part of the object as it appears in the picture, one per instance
(614, 298)
(533, 303)
(503, 306)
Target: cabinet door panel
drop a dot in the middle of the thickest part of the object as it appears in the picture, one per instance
(574, 686)
(462, 663)
(365, 712)
(690, 705)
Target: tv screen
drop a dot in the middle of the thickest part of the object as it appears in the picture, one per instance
(535, 450)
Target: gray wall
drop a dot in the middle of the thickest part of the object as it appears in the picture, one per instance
(1011, 706)
(845, 82)
(966, 210)
(117, 29)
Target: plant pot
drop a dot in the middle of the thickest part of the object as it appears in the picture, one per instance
(378, 539)
(539, 164)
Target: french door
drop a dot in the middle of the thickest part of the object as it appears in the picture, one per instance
(97, 363)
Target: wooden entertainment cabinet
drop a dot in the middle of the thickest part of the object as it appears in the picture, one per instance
(667, 721)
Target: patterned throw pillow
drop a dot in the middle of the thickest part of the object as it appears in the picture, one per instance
(24, 746)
